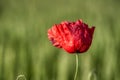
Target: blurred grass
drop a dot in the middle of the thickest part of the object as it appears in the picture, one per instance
(25, 49)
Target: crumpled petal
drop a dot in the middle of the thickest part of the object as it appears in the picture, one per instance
(73, 37)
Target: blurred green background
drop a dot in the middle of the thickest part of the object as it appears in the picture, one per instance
(25, 48)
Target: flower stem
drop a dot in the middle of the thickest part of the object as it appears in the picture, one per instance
(76, 70)
(92, 76)
(20, 77)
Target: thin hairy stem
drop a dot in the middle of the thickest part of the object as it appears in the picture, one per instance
(92, 76)
(21, 76)
(76, 70)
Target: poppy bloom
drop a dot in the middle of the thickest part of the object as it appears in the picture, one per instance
(73, 37)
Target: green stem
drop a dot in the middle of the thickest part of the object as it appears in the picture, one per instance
(92, 76)
(21, 76)
(76, 70)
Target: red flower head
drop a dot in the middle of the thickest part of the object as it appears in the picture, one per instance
(74, 37)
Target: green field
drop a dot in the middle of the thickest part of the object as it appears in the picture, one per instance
(26, 50)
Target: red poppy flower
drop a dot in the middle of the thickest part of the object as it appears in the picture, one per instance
(74, 37)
